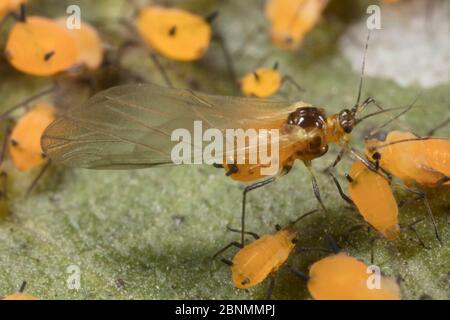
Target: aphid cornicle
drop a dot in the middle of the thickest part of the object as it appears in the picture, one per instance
(257, 260)
(8, 6)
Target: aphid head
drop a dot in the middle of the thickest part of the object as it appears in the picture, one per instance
(347, 120)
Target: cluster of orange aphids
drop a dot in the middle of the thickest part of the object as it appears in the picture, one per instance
(335, 277)
(116, 122)
(44, 47)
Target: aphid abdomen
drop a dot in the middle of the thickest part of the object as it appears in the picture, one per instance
(256, 261)
(438, 155)
(372, 195)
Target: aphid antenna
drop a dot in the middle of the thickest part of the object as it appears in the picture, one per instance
(384, 145)
(27, 101)
(270, 287)
(361, 79)
(359, 120)
(438, 127)
(406, 110)
(253, 234)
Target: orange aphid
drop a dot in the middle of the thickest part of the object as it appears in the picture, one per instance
(41, 47)
(262, 83)
(437, 153)
(341, 277)
(257, 260)
(89, 44)
(7, 6)
(291, 19)
(174, 33)
(20, 296)
(410, 160)
(372, 195)
(254, 262)
(25, 139)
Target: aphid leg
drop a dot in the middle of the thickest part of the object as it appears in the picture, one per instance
(315, 185)
(352, 230)
(414, 231)
(38, 177)
(306, 249)
(299, 273)
(231, 244)
(291, 80)
(255, 186)
(227, 56)
(341, 192)
(270, 287)
(27, 101)
(4, 185)
(161, 69)
(422, 196)
(438, 127)
(253, 234)
(217, 165)
(332, 244)
(227, 262)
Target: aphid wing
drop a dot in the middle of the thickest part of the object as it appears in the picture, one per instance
(131, 126)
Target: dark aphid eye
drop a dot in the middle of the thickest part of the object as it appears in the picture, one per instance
(294, 241)
(376, 156)
(346, 120)
(14, 143)
(245, 281)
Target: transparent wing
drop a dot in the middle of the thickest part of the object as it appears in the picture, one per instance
(130, 126)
